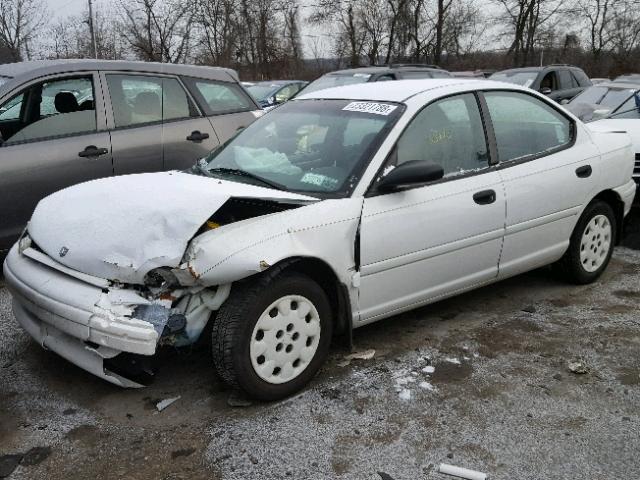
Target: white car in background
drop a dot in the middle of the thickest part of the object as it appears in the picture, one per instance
(612, 106)
(340, 208)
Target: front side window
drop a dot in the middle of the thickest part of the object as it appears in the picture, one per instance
(286, 93)
(53, 108)
(519, 77)
(449, 133)
(525, 125)
(319, 147)
(219, 97)
(336, 80)
(141, 99)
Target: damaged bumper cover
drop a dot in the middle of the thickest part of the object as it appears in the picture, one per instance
(82, 322)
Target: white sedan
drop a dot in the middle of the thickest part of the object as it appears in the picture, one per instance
(340, 208)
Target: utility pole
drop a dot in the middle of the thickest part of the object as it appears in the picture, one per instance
(92, 32)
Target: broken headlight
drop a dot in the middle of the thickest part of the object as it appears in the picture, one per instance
(161, 278)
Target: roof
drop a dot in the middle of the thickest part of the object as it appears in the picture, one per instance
(628, 84)
(401, 90)
(275, 82)
(382, 69)
(46, 67)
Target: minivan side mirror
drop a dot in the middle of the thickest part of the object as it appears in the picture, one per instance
(410, 174)
(545, 90)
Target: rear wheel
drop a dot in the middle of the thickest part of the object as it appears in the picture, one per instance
(591, 244)
(272, 335)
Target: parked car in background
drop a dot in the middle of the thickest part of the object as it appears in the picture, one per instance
(558, 82)
(375, 74)
(612, 106)
(68, 121)
(338, 209)
(598, 80)
(273, 93)
(474, 74)
(629, 77)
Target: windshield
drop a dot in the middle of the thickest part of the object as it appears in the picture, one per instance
(262, 92)
(336, 80)
(318, 147)
(599, 101)
(519, 78)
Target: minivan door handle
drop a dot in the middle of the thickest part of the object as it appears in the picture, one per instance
(584, 171)
(197, 136)
(93, 151)
(485, 197)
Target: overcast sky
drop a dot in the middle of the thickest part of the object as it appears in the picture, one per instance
(64, 8)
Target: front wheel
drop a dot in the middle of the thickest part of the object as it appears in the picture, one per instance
(591, 244)
(272, 335)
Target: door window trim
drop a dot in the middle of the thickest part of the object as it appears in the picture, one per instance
(528, 158)
(194, 108)
(372, 190)
(95, 82)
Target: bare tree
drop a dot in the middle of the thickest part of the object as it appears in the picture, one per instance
(158, 30)
(599, 15)
(218, 38)
(20, 20)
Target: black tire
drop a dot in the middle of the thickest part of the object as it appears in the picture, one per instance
(570, 266)
(235, 321)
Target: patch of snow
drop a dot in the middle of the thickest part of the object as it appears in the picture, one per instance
(405, 394)
(429, 369)
(452, 360)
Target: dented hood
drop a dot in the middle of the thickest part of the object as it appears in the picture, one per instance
(120, 228)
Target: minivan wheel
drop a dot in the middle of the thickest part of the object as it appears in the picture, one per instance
(591, 244)
(272, 335)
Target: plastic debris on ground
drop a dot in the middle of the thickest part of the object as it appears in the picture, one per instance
(577, 367)
(161, 405)
(363, 355)
(461, 472)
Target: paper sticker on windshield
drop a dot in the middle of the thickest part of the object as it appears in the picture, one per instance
(319, 180)
(370, 107)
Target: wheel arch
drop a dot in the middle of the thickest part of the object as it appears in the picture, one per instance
(617, 205)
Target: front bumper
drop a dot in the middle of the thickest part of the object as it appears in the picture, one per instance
(82, 322)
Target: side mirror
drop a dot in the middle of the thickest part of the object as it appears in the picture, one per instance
(545, 90)
(409, 174)
(564, 101)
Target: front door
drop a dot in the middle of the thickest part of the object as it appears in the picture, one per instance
(422, 244)
(54, 136)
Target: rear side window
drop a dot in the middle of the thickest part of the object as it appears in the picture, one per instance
(582, 78)
(53, 108)
(525, 126)
(139, 100)
(566, 80)
(219, 97)
(448, 132)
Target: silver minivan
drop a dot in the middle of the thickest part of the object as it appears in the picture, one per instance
(64, 122)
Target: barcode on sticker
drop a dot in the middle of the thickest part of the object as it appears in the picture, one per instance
(370, 107)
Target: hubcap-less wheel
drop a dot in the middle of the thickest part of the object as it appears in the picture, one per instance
(285, 339)
(595, 243)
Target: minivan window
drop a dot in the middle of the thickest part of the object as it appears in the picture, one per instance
(142, 99)
(219, 97)
(53, 108)
(525, 126)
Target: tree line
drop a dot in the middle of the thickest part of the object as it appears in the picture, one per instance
(264, 39)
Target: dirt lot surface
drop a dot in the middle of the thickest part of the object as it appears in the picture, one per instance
(480, 381)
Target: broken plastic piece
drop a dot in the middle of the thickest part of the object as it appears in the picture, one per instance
(461, 472)
(155, 314)
(161, 405)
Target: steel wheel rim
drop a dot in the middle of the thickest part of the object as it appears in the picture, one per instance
(595, 243)
(285, 339)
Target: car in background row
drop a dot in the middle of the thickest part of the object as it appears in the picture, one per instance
(275, 92)
(558, 82)
(65, 122)
(473, 74)
(400, 71)
(318, 218)
(612, 106)
(628, 77)
(597, 80)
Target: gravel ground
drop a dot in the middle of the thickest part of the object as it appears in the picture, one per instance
(479, 381)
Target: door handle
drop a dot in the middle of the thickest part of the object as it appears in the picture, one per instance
(197, 136)
(584, 171)
(485, 197)
(93, 151)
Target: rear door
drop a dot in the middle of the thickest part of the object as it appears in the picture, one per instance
(569, 87)
(154, 123)
(55, 136)
(228, 107)
(549, 169)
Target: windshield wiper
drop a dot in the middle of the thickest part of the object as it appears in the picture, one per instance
(201, 167)
(244, 173)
